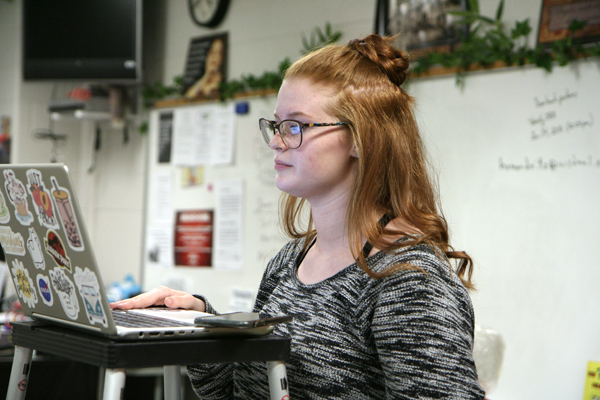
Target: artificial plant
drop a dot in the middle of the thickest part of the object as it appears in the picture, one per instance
(485, 40)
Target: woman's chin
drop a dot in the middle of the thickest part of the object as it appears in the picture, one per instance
(281, 185)
(285, 186)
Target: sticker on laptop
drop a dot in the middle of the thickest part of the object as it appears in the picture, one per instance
(12, 242)
(62, 197)
(35, 249)
(4, 213)
(24, 284)
(66, 292)
(89, 289)
(43, 284)
(17, 194)
(54, 246)
(41, 197)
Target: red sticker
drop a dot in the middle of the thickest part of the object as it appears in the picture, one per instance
(54, 247)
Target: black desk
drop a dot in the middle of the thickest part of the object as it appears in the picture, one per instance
(115, 356)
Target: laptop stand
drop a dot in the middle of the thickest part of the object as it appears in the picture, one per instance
(115, 356)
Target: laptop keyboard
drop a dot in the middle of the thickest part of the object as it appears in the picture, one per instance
(143, 321)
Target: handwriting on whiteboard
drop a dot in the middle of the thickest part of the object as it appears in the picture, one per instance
(563, 134)
(552, 119)
(549, 164)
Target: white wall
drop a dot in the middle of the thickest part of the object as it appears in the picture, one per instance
(9, 45)
(264, 32)
(109, 183)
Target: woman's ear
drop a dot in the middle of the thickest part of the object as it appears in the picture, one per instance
(354, 151)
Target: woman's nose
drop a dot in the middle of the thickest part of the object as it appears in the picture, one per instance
(276, 142)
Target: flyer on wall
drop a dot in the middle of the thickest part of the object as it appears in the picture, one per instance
(193, 238)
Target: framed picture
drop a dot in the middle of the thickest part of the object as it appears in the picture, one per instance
(424, 25)
(206, 66)
(558, 14)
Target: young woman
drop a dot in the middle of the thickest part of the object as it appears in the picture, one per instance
(379, 309)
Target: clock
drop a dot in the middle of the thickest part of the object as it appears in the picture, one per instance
(208, 13)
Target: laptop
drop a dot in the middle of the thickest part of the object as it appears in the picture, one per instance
(53, 268)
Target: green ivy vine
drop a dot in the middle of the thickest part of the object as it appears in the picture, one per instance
(485, 40)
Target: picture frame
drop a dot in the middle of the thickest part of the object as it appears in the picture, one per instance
(206, 66)
(424, 26)
(556, 15)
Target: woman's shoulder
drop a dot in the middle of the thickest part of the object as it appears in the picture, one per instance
(423, 276)
(422, 264)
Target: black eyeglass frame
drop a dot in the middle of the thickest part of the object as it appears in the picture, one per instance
(302, 125)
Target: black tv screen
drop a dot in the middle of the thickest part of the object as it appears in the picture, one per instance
(89, 40)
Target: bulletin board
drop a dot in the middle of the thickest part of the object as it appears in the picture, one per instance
(517, 153)
(174, 188)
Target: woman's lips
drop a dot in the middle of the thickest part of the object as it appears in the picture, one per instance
(279, 165)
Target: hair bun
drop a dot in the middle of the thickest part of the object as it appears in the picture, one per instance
(391, 61)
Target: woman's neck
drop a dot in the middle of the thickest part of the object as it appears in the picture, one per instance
(330, 223)
(331, 252)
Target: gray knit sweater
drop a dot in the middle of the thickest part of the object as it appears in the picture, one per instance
(406, 336)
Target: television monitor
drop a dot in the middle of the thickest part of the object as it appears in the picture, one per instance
(86, 40)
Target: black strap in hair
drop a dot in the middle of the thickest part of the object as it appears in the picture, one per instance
(382, 222)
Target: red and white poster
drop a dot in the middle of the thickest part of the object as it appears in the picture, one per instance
(194, 238)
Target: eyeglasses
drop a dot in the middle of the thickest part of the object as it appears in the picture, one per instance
(289, 129)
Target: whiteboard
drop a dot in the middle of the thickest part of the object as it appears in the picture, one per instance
(261, 236)
(517, 152)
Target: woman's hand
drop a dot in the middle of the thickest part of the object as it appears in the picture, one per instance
(161, 296)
